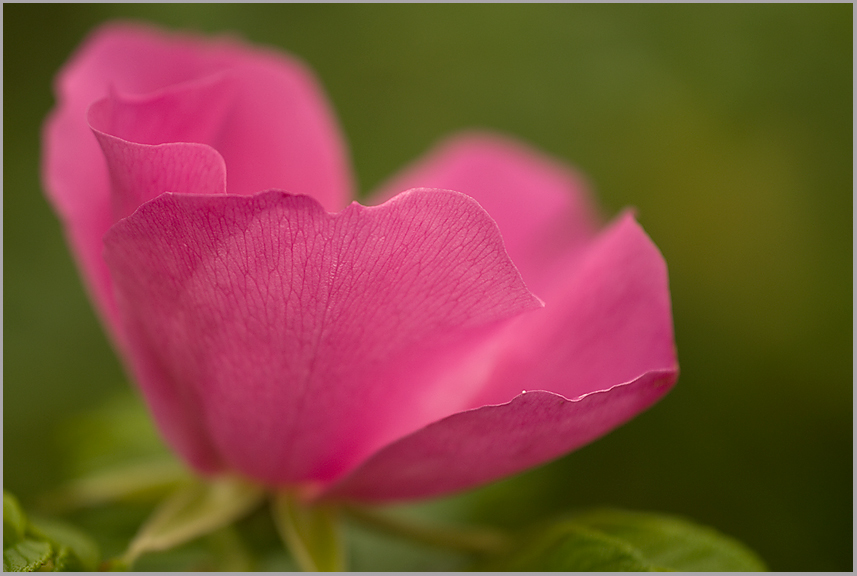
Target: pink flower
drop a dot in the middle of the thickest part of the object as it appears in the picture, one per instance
(432, 342)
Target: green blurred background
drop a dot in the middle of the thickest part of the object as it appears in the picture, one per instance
(729, 127)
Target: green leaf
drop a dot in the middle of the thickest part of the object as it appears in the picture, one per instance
(675, 542)
(573, 548)
(616, 540)
(75, 550)
(194, 511)
(26, 556)
(312, 533)
(43, 544)
(14, 520)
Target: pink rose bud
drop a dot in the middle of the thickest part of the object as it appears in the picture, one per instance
(473, 322)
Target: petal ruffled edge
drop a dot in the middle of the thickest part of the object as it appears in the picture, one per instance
(607, 319)
(543, 207)
(477, 446)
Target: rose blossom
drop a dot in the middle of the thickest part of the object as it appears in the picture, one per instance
(473, 322)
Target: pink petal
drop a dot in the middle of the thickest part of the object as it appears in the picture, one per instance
(277, 339)
(277, 131)
(542, 207)
(604, 338)
(606, 320)
(142, 172)
(477, 446)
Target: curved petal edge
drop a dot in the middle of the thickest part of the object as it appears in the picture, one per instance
(533, 428)
(254, 320)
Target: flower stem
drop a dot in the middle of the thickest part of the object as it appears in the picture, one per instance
(472, 540)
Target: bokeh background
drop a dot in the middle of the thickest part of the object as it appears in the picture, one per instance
(728, 127)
